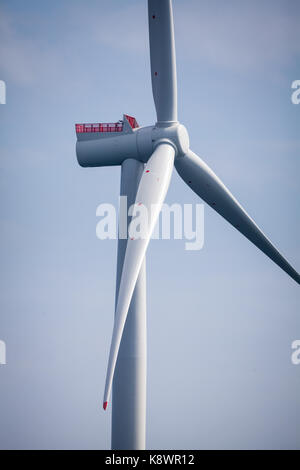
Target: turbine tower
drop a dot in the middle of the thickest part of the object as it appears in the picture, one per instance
(147, 156)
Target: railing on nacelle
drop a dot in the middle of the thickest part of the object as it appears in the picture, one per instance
(100, 127)
(107, 127)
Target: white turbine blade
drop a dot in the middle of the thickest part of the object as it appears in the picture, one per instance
(151, 193)
(163, 59)
(210, 188)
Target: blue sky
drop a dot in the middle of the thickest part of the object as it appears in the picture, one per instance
(221, 320)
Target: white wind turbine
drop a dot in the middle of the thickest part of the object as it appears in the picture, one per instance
(147, 156)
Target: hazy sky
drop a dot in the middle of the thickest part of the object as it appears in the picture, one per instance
(221, 320)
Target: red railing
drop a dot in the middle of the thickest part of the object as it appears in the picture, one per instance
(107, 127)
(100, 127)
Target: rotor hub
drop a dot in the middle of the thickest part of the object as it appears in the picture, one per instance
(175, 135)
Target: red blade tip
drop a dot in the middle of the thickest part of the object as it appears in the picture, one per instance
(105, 405)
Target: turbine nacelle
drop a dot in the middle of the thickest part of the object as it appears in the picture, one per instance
(111, 144)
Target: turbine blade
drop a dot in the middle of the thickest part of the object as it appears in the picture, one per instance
(210, 188)
(163, 59)
(150, 196)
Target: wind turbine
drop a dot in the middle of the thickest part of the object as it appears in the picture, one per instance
(147, 156)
